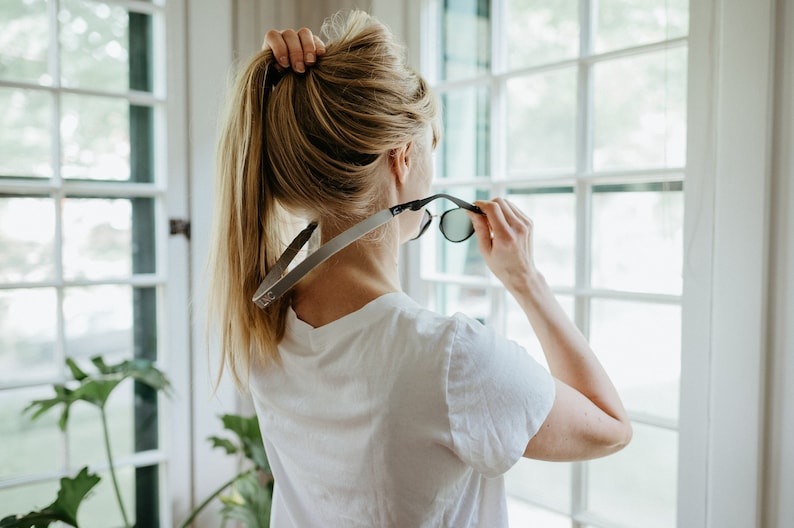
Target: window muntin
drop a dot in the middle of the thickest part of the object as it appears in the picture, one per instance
(583, 125)
(82, 194)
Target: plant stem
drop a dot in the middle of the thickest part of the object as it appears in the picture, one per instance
(214, 494)
(112, 468)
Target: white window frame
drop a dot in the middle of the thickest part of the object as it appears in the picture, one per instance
(582, 179)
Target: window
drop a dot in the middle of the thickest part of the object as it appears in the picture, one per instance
(82, 216)
(575, 110)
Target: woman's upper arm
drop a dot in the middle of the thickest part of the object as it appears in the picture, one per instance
(577, 429)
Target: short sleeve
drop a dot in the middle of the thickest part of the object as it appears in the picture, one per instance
(498, 397)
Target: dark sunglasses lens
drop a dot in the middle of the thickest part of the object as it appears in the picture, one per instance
(427, 219)
(456, 225)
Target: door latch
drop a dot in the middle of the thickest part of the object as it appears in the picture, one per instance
(179, 226)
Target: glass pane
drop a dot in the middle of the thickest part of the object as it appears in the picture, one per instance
(465, 38)
(27, 335)
(465, 148)
(639, 345)
(540, 32)
(86, 444)
(29, 446)
(541, 122)
(98, 320)
(98, 136)
(547, 483)
(103, 47)
(637, 486)
(27, 233)
(104, 238)
(639, 111)
(102, 509)
(626, 23)
(25, 133)
(523, 515)
(24, 41)
(474, 302)
(553, 214)
(520, 331)
(28, 498)
(638, 238)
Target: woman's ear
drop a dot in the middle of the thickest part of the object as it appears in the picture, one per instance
(400, 162)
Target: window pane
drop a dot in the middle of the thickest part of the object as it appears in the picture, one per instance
(520, 331)
(27, 233)
(474, 302)
(547, 483)
(103, 47)
(98, 136)
(637, 486)
(99, 320)
(523, 515)
(104, 238)
(29, 446)
(465, 38)
(85, 428)
(626, 23)
(639, 345)
(30, 497)
(465, 149)
(101, 508)
(541, 122)
(25, 133)
(638, 238)
(639, 111)
(27, 335)
(553, 213)
(540, 32)
(24, 41)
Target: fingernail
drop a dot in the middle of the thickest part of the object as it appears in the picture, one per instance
(284, 61)
(299, 67)
(310, 57)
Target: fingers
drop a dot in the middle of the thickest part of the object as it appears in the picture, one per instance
(294, 49)
(505, 218)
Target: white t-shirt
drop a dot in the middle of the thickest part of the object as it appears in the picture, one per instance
(395, 416)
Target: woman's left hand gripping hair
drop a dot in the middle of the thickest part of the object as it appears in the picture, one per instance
(294, 49)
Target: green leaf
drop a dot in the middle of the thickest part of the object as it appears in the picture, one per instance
(247, 431)
(96, 388)
(64, 509)
(100, 365)
(77, 372)
(249, 502)
(225, 444)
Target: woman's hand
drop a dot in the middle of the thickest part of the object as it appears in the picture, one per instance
(294, 49)
(504, 236)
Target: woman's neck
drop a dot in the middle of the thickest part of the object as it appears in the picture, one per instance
(349, 280)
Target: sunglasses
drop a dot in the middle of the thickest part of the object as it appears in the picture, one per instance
(454, 224)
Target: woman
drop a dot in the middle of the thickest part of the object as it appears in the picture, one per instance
(374, 411)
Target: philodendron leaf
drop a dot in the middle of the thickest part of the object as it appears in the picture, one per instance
(224, 444)
(247, 431)
(249, 503)
(96, 388)
(64, 509)
(77, 372)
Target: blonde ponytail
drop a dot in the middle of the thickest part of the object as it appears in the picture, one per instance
(309, 146)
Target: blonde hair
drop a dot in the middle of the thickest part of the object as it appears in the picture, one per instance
(308, 145)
